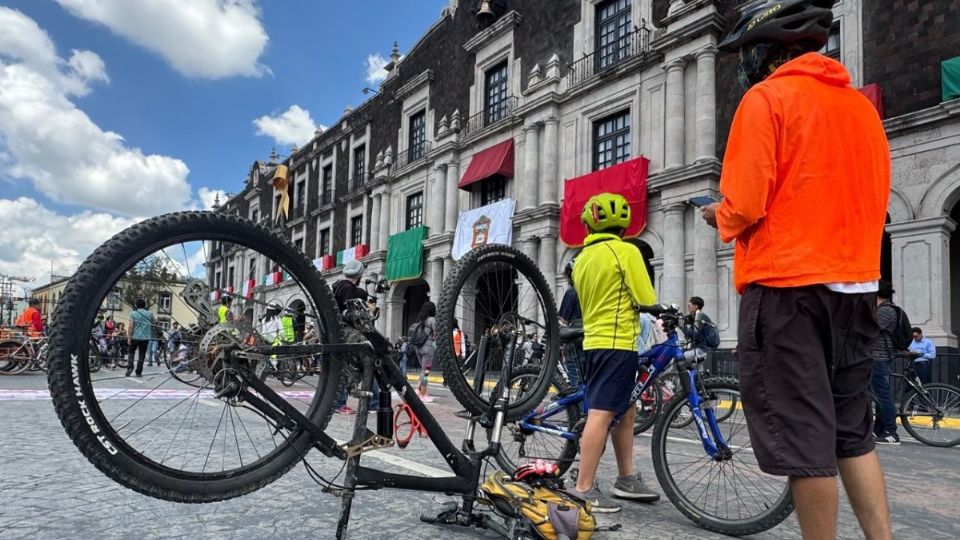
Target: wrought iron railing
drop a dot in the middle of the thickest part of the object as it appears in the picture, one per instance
(491, 115)
(326, 197)
(298, 211)
(609, 56)
(411, 155)
(357, 182)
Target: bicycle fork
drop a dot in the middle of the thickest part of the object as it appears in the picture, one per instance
(706, 419)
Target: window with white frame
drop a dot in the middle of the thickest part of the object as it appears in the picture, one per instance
(359, 166)
(832, 47)
(165, 302)
(493, 190)
(323, 242)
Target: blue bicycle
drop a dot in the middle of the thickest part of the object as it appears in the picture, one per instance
(701, 449)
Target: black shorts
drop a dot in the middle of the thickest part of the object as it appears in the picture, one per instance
(611, 376)
(805, 360)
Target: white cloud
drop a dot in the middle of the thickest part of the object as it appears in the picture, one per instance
(208, 39)
(209, 196)
(375, 72)
(46, 139)
(34, 236)
(24, 41)
(293, 126)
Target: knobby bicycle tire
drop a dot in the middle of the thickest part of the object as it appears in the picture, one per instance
(468, 268)
(70, 383)
(920, 433)
(569, 449)
(773, 513)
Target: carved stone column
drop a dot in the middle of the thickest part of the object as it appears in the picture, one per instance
(674, 114)
(529, 194)
(706, 147)
(674, 273)
(375, 224)
(453, 178)
(550, 181)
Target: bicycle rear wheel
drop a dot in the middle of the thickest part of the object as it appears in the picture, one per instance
(920, 417)
(519, 445)
(648, 408)
(730, 495)
(162, 437)
(14, 357)
(498, 291)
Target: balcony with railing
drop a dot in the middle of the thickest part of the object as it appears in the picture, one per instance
(326, 197)
(358, 181)
(298, 211)
(490, 116)
(608, 57)
(411, 155)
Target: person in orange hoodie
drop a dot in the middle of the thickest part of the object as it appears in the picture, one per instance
(805, 184)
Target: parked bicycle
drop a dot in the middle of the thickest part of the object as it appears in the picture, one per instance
(929, 412)
(701, 449)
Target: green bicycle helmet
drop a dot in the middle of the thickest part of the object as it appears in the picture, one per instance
(606, 211)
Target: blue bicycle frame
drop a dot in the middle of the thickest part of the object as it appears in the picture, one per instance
(654, 361)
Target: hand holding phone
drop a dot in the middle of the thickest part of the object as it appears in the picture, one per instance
(702, 201)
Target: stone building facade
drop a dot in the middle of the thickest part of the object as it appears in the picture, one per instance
(577, 85)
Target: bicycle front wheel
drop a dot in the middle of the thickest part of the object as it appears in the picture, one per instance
(933, 419)
(730, 495)
(14, 357)
(157, 435)
(498, 295)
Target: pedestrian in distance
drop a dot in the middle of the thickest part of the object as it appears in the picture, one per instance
(805, 184)
(139, 334)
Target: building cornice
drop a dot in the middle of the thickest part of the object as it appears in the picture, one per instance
(413, 85)
(710, 22)
(503, 25)
(679, 175)
(917, 227)
(923, 118)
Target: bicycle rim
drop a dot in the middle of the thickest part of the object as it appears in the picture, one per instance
(935, 419)
(155, 433)
(497, 292)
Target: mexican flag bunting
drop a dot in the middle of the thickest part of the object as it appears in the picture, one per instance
(215, 295)
(272, 278)
(248, 286)
(318, 262)
(357, 252)
(231, 290)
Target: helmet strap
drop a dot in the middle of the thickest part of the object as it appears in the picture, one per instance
(759, 60)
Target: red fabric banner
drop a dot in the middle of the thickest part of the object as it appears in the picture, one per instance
(327, 262)
(875, 95)
(628, 179)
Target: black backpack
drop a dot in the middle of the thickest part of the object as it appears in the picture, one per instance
(902, 333)
(417, 334)
(711, 336)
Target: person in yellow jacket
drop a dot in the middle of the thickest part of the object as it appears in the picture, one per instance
(224, 314)
(610, 279)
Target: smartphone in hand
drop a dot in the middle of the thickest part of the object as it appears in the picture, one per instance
(700, 202)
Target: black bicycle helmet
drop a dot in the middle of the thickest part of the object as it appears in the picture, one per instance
(788, 21)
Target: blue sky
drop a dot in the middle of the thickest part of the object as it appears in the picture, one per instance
(112, 110)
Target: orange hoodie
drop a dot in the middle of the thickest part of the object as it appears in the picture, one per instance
(806, 178)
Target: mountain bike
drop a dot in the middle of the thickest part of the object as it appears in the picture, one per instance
(20, 352)
(701, 449)
(929, 412)
(232, 431)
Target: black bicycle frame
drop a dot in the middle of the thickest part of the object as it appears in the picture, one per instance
(464, 464)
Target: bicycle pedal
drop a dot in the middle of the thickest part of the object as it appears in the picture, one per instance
(373, 442)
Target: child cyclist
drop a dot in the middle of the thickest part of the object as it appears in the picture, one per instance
(611, 279)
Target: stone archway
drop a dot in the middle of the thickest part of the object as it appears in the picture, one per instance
(954, 274)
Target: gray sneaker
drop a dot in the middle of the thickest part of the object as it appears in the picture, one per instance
(633, 488)
(599, 503)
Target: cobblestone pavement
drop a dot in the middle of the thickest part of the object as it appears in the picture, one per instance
(49, 490)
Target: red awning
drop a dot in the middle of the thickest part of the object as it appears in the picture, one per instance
(628, 179)
(875, 95)
(494, 161)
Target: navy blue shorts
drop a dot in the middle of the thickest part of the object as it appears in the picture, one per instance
(611, 377)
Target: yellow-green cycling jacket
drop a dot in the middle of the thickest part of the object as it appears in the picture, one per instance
(610, 278)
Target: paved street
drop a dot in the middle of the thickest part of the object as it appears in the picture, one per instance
(49, 490)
